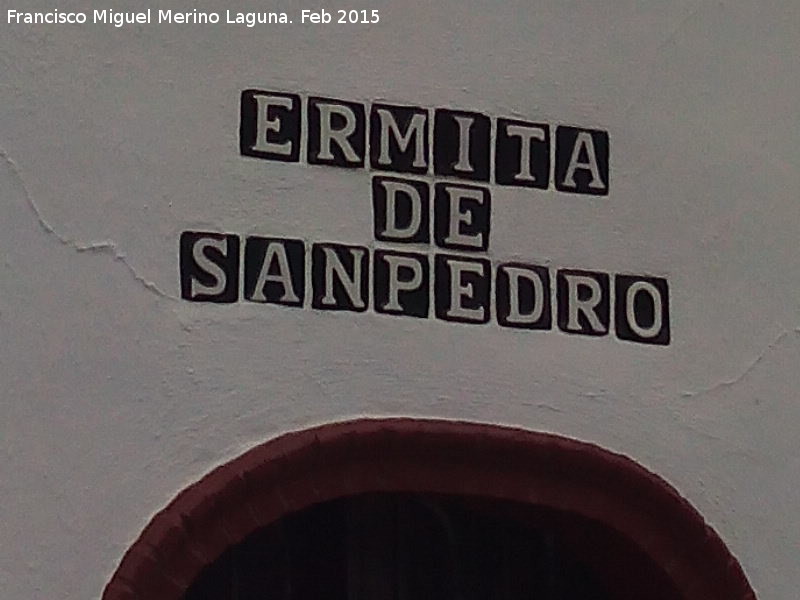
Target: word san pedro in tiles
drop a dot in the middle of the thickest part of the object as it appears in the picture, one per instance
(454, 281)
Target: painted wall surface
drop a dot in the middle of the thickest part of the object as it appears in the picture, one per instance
(117, 393)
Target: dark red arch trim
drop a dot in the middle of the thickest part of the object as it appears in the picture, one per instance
(299, 469)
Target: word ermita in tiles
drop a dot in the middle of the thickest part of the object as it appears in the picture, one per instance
(456, 282)
(397, 138)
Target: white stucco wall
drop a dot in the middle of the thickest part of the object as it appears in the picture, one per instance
(117, 394)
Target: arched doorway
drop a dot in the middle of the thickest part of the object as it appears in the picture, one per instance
(440, 509)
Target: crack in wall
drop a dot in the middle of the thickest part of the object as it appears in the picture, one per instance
(111, 248)
(754, 364)
(108, 247)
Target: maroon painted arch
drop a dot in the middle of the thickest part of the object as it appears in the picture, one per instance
(300, 469)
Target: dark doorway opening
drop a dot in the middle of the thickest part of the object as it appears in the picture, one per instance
(403, 546)
(341, 510)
